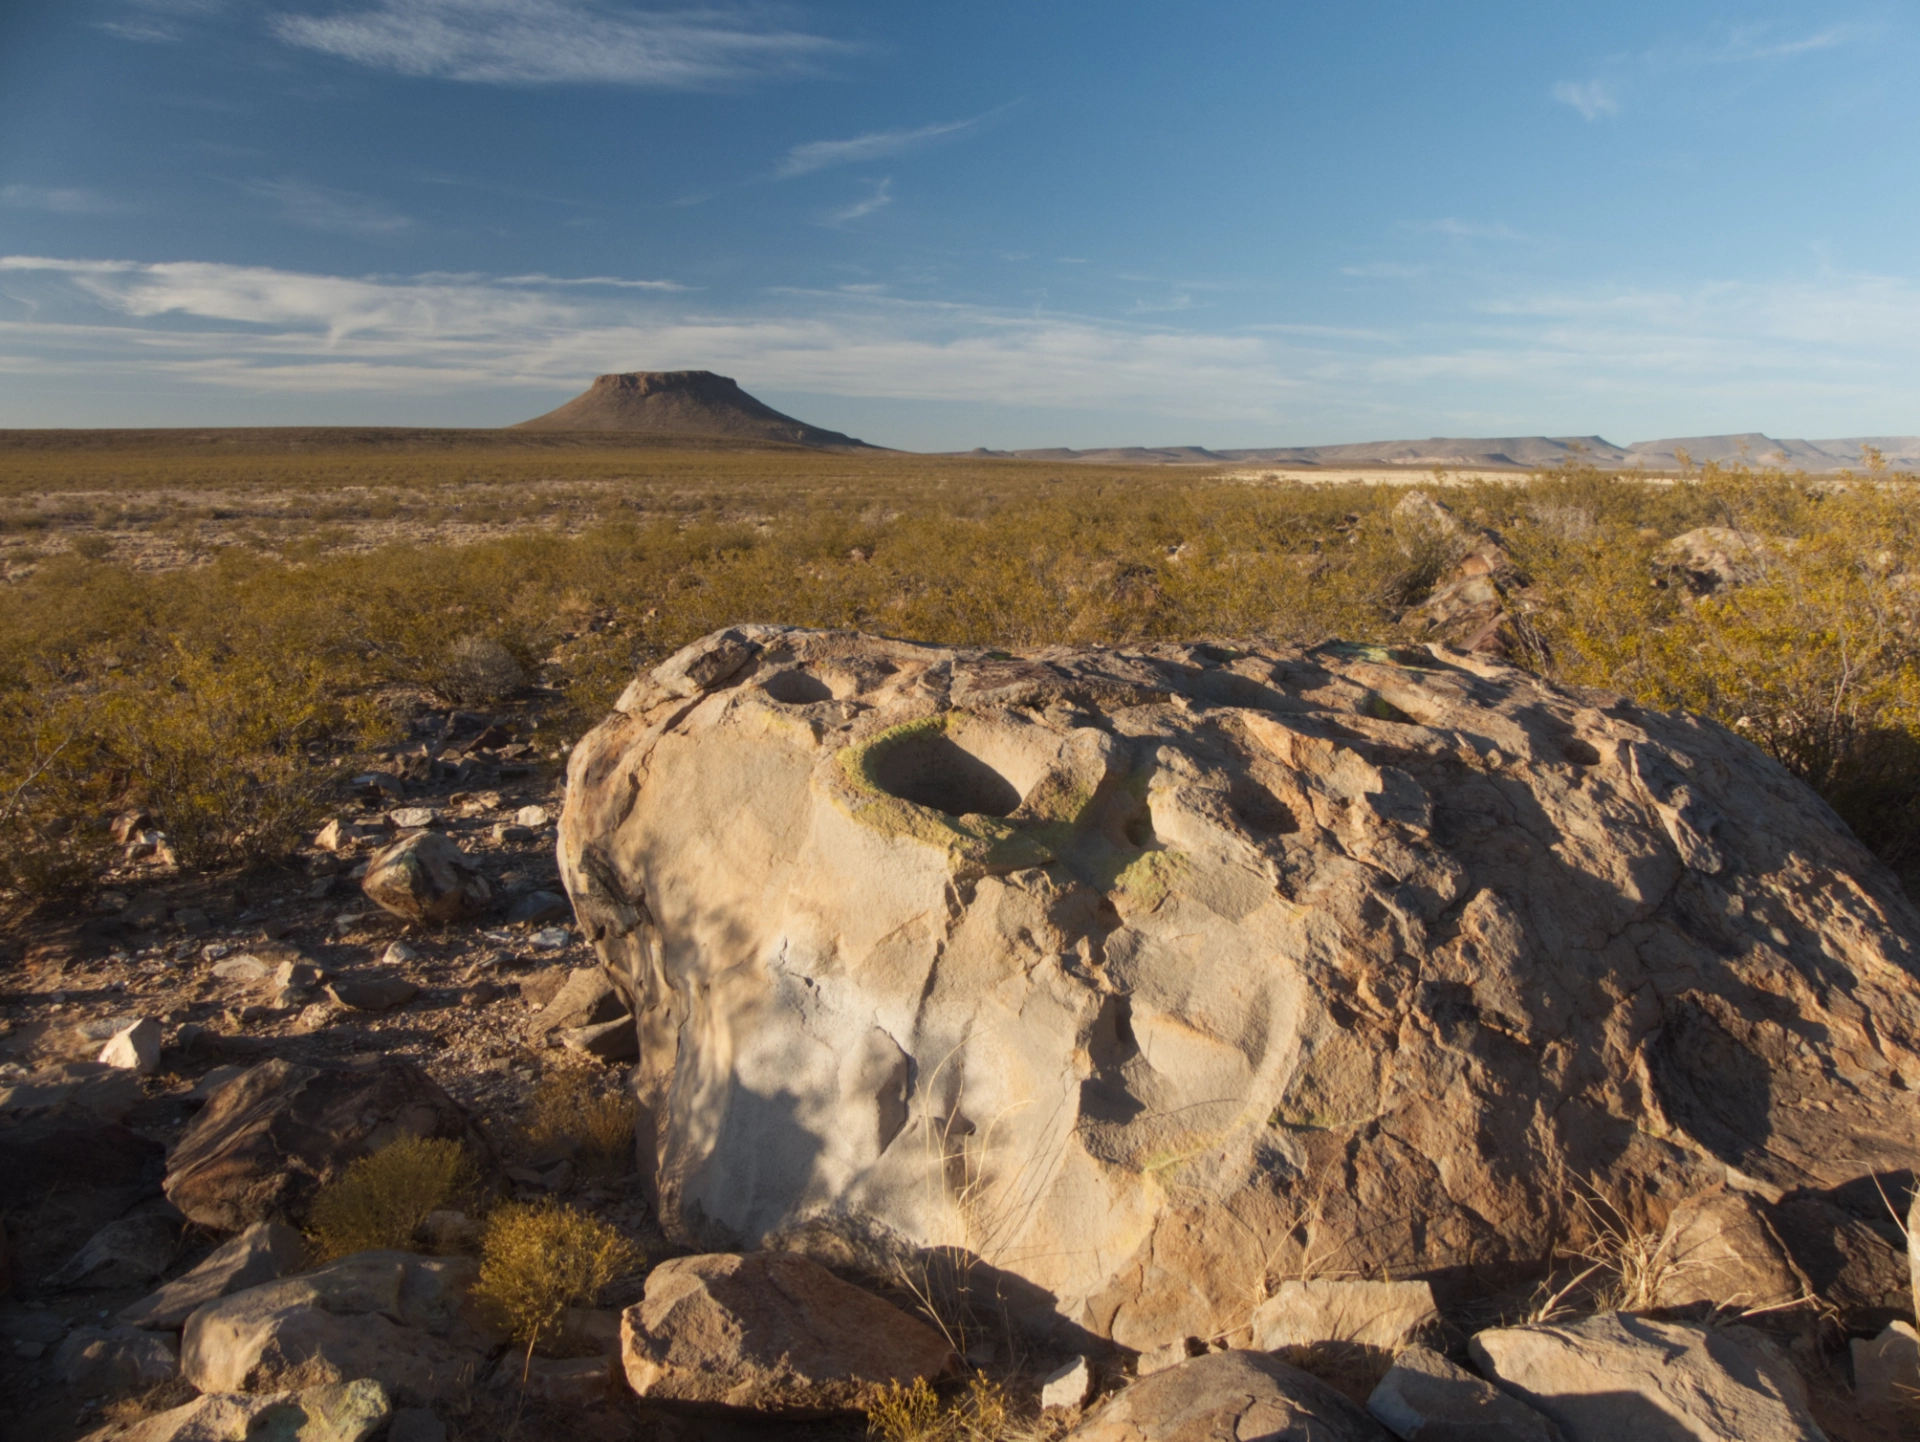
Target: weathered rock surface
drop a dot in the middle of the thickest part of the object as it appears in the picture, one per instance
(101, 1359)
(1109, 968)
(771, 1332)
(586, 999)
(329, 1412)
(425, 877)
(394, 1317)
(263, 1252)
(1246, 1395)
(1886, 1373)
(1616, 1376)
(266, 1140)
(1383, 1315)
(124, 1253)
(1425, 1398)
(1721, 1249)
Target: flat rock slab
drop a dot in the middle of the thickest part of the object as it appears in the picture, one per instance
(1233, 1397)
(394, 1317)
(1886, 1373)
(380, 992)
(586, 998)
(770, 1332)
(1383, 1315)
(269, 1138)
(263, 1252)
(1621, 1378)
(1190, 941)
(1425, 1398)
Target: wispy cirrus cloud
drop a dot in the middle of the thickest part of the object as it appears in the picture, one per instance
(881, 195)
(875, 145)
(57, 200)
(545, 42)
(1594, 99)
(316, 207)
(1602, 95)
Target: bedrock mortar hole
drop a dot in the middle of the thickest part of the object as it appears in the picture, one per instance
(932, 771)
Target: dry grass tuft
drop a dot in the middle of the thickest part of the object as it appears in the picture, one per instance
(381, 1201)
(900, 1412)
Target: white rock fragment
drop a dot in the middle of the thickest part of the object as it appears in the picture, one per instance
(1067, 1386)
(136, 1049)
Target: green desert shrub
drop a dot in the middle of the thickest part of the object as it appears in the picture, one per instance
(381, 1200)
(537, 1261)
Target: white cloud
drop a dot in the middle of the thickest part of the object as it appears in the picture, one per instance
(59, 201)
(1474, 230)
(1592, 98)
(1826, 354)
(339, 211)
(536, 42)
(1750, 43)
(882, 195)
(609, 280)
(876, 145)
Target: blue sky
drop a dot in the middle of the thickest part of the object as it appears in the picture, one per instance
(940, 226)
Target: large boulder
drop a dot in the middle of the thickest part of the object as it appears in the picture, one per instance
(1614, 1376)
(1147, 978)
(771, 1333)
(1425, 1398)
(270, 1137)
(1246, 1395)
(396, 1318)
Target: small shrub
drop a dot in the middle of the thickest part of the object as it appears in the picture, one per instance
(594, 1125)
(537, 1261)
(478, 671)
(900, 1413)
(381, 1200)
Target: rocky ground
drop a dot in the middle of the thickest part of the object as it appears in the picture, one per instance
(295, 964)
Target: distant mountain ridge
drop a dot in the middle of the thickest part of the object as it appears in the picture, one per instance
(1518, 453)
(691, 403)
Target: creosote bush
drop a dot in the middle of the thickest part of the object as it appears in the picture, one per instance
(573, 1112)
(537, 1261)
(226, 692)
(381, 1200)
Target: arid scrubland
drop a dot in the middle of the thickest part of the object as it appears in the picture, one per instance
(217, 633)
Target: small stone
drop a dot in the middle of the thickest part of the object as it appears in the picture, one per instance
(450, 1231)
(191, 918)
(566, 1381)
(137, 1049)
(410, 818)
(532, 817)
(553, 938)
(297, 975)
(373, 993)
(540, 906)
(379, 784)
(244, 967)
(398, 953)
(97, 1360)
(508, 834)
(616, 1040)
(1067, 1386)
(146, 913)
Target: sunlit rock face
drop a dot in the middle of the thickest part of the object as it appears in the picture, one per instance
(1146, 978)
